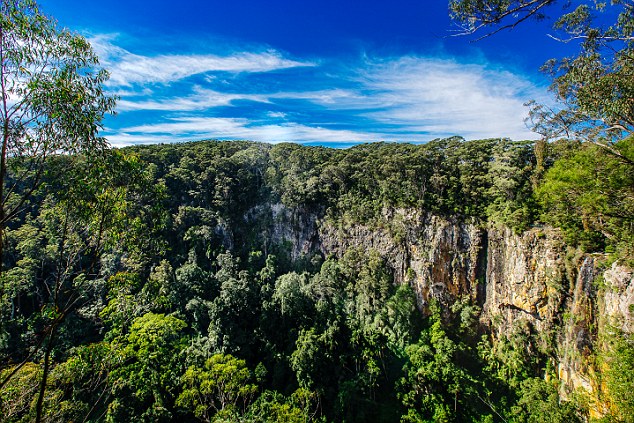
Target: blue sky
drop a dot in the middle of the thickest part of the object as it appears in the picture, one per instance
(327, 72)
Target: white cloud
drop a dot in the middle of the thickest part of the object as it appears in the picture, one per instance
(201, 99)
(276, 115)
(232, 128)
(336, 97)
(448, 97)
(127, 68)
(434, 96)
(410, 98)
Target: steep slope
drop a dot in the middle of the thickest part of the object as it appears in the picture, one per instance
(531, 279)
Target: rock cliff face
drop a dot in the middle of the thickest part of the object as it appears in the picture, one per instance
(442, 259)
(577, 331)
(525, 280)
(531, 278)
(618, 302)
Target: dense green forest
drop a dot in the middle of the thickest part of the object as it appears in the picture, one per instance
(167, 282)
(147, 286)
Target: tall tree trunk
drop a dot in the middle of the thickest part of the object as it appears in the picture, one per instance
(5, 144)
(47, 362)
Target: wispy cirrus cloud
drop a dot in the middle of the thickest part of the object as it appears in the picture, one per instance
(127, 68)
(443, 96)
(200, 99)
(338, 98)
(411, 96)
(262, 95)
(233, 128)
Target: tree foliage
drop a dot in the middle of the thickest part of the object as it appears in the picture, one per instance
(589, 193)
(52, 101)
(168, 282)
(163, 279)
(595, 86)
(221, 388)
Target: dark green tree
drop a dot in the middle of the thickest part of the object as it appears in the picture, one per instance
(539, 402)
(438, 384)
(234, 313)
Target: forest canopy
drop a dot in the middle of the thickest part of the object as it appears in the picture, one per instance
(183, 302)
(165, 282)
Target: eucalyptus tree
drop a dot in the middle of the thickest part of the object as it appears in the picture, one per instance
(52, 101)
(595, 86)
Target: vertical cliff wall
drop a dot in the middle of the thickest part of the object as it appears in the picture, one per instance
(531, 279)
(438, 257)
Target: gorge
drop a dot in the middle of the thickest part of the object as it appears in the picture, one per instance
(383, 282)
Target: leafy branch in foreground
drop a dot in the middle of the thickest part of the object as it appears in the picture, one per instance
(595, 87)
(51, 101)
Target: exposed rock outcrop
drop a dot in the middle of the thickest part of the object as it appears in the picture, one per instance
(438, 257)
(531, 277)
(618, 303)
(578, 330)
